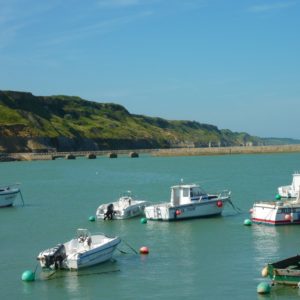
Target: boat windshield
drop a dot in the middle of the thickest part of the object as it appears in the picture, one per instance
(197, 192)
(82, 233)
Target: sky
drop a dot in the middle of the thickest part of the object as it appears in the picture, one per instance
(231, 63)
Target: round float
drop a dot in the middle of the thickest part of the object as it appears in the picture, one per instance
(288, 217)
(247, 222)
(28, 276)
(264, 271)
(263, 288)
(144, 250)
(144, 220)
(92, 219)
(178, 212)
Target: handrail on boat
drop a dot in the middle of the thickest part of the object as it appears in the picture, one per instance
(12, 185)
(225, 193)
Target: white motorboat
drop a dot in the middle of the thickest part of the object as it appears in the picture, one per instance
(188, 201)
(292, 190)
(125, 207)
(279, 212)
(8, 194)
(84, 250)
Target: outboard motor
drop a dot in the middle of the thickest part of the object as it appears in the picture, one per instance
(109, 212)
(54, 256)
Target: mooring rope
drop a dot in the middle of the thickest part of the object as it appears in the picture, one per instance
(238, 210)
(21, 197)
(127, 244)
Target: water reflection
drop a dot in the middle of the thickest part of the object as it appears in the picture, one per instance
(73, 281)
(266, 243)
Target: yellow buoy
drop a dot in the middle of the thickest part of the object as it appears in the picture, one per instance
(265, 272)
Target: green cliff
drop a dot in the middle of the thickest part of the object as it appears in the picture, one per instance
(64, 123)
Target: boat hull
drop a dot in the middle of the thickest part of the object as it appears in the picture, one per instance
(8, 196)
(93, 256)
(276, 213)
(76, 254)
(123, 211)
(166, 212)
(286, 271)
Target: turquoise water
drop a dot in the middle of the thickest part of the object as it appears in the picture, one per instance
(215, 258)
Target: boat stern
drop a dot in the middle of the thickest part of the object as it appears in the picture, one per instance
(53, 258)
(157, 212)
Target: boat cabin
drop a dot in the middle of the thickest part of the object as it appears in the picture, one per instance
(185, 194)
(296, 181)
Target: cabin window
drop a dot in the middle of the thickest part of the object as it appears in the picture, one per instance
(175, 196)
(185, 192)
(196, 192)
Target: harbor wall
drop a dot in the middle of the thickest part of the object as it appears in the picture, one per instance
(156, 152)
(227, 150)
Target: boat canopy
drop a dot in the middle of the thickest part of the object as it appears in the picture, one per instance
(183, 194)
(296, 181)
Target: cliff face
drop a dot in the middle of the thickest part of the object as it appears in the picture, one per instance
(30, 123)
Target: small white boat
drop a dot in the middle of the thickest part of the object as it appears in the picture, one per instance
(188, 201)
(292, 190)
(84, 250)
(8, 194)
(125, 207)
(279, 212)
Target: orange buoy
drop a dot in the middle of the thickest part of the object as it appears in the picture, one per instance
(144, 250)
(219, 203)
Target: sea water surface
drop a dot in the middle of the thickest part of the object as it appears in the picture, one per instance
(211, 258)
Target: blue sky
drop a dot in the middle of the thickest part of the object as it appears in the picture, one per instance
(234, 64)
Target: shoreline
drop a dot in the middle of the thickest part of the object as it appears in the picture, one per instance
(209, 151)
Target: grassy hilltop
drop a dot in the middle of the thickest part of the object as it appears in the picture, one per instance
(29, 123)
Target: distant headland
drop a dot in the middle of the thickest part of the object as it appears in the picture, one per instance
(44, 124)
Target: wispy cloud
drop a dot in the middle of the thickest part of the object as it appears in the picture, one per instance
(93, 29)
(14, 17)
(262, 8)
